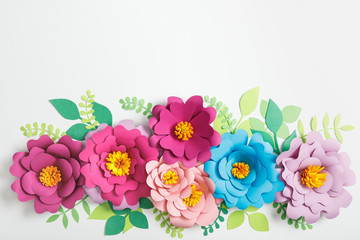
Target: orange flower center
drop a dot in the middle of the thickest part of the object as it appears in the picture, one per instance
(118, 163)
(50, 176)
(240, 170)
(312, 176)
(184, 130)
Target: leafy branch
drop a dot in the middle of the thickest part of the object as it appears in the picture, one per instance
(165, 221)
(209, 229)
(297, 222)
(42, 129)
(137, 105)
(87, 114)
(74, 213)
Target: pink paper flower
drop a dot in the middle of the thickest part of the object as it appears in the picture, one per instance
(183, 131)
(49, 173)
(185, 193)
(115, 165)
(314, 174)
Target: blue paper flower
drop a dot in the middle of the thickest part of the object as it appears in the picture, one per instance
(244, 173)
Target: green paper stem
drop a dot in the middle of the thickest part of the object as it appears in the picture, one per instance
(166, 222)
(210, 229)
(137, 105)
(89, 118)
(276, 149)
(42, 129)
(238, 124)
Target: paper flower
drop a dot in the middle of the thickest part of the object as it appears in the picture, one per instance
(183, 131)
(314, 174)
(185, 193)
(115, 164)
(49, 173)
(244, 173)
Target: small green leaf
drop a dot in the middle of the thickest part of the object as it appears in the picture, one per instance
(314, 123)
(326, 121)
(78, 131)
(139, 220)
(266, 136)
(273, 118)
(287, 142)
(327, 134)
(251, 209)
(52, 218)
(300, 128)
(291, 113)
(283, 131)
(337, 120)
(65, 221)
(114, 225)
(128, 225)
(75, 215)
(248, 101)
(66, 108)
(347, 128)
(246, 126)
(338, 135)
(102, 212)
(102, 114)
(259, 222)
(235, 220)
(263, 108)
(86, 207)
(257, 124)
(145, 203)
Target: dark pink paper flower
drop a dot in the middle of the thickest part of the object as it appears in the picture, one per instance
(183, 131)
(315, 174)
(49, 173)
(115, 164)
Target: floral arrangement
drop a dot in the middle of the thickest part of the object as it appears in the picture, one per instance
(192, 164)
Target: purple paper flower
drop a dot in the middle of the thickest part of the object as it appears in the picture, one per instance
(183, 131)
(314, 174)
(49, 173)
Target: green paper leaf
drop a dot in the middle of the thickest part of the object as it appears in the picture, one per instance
(259, 222)
(102, 114)
(251, 209)
(266, 136)
(66, 108)
(218, 124)
(246, 126)
(300, 127)
(287, 142)
(248, 101)
(114, 225)
(338, 135)
(86, 207)
(119, 212)
(283, 131)
(52, 218)
(102, 212)
(273, 117)
(145, 203)
(326, 121)
(78, 131)
(291, 113)
(327, 134)
(263, 108)
(257, 124)
(235, 220)
(65, 221)
(337, 120)
(347, 128)
(75, 215)
(139, 220)
(128, 225)
(313, 123)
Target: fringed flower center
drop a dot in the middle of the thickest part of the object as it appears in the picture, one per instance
(50, 176)
(170, 177)
(118, 163)
(240, 170)
(194, 197)
(312, 176)
(184, 130)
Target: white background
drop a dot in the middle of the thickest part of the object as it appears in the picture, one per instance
(305, 53)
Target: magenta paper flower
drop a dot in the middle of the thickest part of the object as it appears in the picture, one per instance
(49, 173)
(314, 174)
(185, 193)
(115, 165)
(183, 131)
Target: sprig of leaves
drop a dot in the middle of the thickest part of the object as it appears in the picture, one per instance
(297, 222)
(165, 222)
(87, 114)
(137, 105)
(74, 213)
(40, 129)
(258, 221)
(210, 229)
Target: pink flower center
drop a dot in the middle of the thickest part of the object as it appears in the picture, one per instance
(184, 130)
(50, 176)
(312, 176)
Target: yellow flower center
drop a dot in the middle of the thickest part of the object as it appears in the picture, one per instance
(194, 197)
(170, 177)
(118, 163)
(240, 170)
(50, 176)
(184, 131)
(312, 177)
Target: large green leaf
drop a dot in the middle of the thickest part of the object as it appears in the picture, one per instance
(78, 131)
(283, 131)
(263, 108)
(114, 225)
(236, 219)
(139, 220)
(266, 136)
(257, 124)
(248, 101)
(259, 222)
(291, 113)
(274, 117)
(102, 114)
(102, 212)
(145, 203)
(66, 108)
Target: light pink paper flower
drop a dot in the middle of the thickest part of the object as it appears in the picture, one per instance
(311, 197)
(183, 131)
(49, 173)
(115, 164)
(186, 194)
